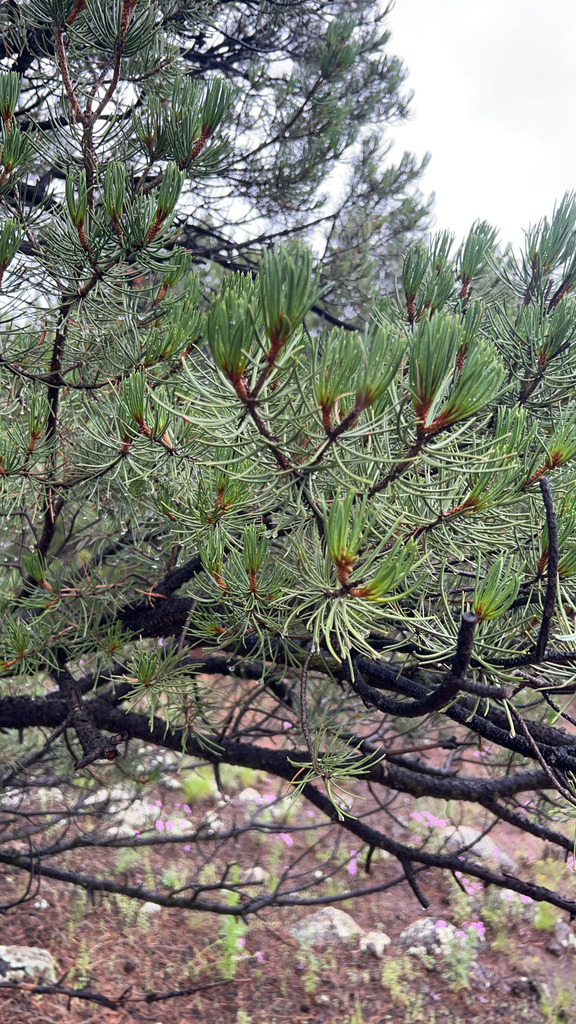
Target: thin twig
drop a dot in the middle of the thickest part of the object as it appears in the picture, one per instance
(304, 710)
(552, 568)
(122, 1001)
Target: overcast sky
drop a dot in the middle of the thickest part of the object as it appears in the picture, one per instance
(494, 103)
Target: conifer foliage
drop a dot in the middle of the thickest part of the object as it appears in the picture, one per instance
(234, 524)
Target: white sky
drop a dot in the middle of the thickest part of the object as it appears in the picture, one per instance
(494, 103)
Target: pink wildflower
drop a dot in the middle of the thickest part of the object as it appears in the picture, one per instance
(352, 867)
(259, 956)
(169, 826)
(287, 839)
(160, 825)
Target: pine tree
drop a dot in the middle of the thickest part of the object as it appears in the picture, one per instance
(230, 531)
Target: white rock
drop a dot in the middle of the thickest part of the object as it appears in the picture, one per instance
(250, 796)
(138, 812)
(436, 938)
(426, 936)
(41, 904)
(255, 874)
(171, 783)
(213, 821)
(419, 951)
(375, 943)
(150, 908)
(322, 999)
(326, 925)
(483, 849)
(12, 798)
(27, 963)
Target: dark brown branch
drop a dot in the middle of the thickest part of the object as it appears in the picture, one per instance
(552, 567)
(94, 744)
(123, 1001)
(447, 690)
(559, 749)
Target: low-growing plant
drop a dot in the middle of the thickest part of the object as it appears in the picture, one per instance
(127, 859)
(127, 909)
(231, 933)
(174, 877)
(313, 966)
(199, 785)
(545, 917)
(81, 967)
(461, 959)
(397, 973)
(500, 912)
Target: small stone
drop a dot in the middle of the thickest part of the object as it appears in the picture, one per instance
(150, 908)
(483, 848)
(250, 796)
(41, 904)
(562, 940)
(27, 963)
(325, 926)
(169, 783)
(213, 821)
(255, 874)
(375, 943)
(419, 951)
(322, 999)
(426, 937)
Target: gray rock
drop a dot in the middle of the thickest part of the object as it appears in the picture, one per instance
(250, 796)
(482, 849)
(170, 783)
(562, 940)
(255, 874)
(426, 937)
(375, 943)
(27, 963)
(325, 926)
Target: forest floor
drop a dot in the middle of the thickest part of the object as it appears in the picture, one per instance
(262, 975)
